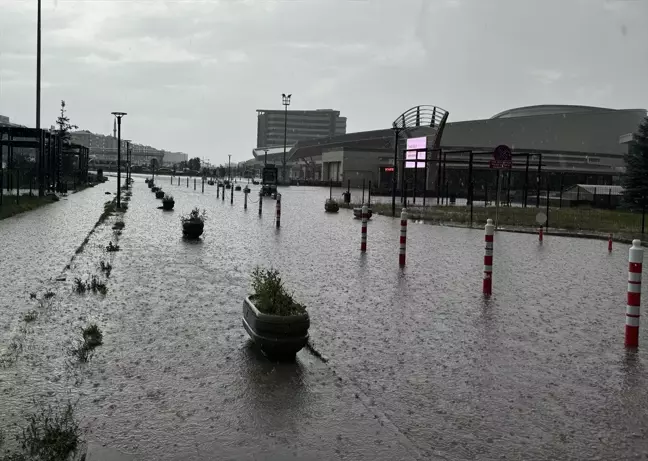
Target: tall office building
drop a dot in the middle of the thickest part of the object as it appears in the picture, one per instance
(302, 125)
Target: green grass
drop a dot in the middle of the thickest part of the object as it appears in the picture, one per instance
(51, 433)
(10, 208)
(570, 219)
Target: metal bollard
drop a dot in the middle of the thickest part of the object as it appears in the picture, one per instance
(610, 243)
(194, 183)
(245, 200)
(223, 192)
(488, 257)
(540, 234)
(363, 235)
(187, 181)
(232, 194)
(260, 203)
(278, 211)
(635, 266)
(403, 238)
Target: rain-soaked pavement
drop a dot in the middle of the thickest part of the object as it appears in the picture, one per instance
(419, 365)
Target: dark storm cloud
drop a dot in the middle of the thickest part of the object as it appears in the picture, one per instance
(185, 70)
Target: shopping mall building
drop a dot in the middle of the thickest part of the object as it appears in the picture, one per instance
(578, 144)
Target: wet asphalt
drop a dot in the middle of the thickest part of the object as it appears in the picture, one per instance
(419, 365)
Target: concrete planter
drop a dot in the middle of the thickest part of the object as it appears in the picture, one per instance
(192, 229)
(150, 184)
(357, 213)
(168, 204)
(331, 206)
(277, 336)
(159, 194)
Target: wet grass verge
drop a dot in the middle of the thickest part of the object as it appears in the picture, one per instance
(574, 220)
(51, 433)
(10, 208)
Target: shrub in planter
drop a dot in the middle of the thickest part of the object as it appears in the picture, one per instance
(155, 189)
(193, 224)
(331, 206)
(357, 213)
(159, 193)
(273, 319)
(150, 184)
(168, 202)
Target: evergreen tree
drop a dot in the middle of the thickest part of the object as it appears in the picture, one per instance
(64, 126)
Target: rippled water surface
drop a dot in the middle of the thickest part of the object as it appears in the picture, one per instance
(420, 365)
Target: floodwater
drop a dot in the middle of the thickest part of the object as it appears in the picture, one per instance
(420, 366)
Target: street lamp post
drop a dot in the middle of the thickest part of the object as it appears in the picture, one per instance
(38, 68)
(229, 167)
(128, 149)
(119, 116)
(285, 100)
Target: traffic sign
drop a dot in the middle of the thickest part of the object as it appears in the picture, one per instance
(502, 157)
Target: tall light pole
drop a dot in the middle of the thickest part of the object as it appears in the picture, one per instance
(119, 116)
(229, 167)
(285, 100)
(38, 67)
(128, 149)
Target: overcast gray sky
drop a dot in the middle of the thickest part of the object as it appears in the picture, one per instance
(191, 73)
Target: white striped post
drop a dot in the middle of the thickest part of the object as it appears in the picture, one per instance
(278, 219)
(403, 238)
(488, 257)
(363, 237)
(635, 263)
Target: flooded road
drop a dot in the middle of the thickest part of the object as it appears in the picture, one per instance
(420, 366)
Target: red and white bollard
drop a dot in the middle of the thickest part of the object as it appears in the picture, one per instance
(610, 243)
(488, 257)
(635, 263)
(540, 234)
(363, 238)
(278, 215)
(403, 238)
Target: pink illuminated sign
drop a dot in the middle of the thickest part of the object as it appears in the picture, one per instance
(411, 154)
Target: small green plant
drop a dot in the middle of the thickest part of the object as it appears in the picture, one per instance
(80, 286)
(98, 286)
(105, 267)
(168, 198)
(119, 225)
(92, 336)
(270, 295)
(50, 434)
(30, 316)
(112, 247)
(196, 216)
(80, 351)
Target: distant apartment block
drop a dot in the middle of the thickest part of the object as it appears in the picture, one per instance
(301, 125)
(104, 148)
(172, 158)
